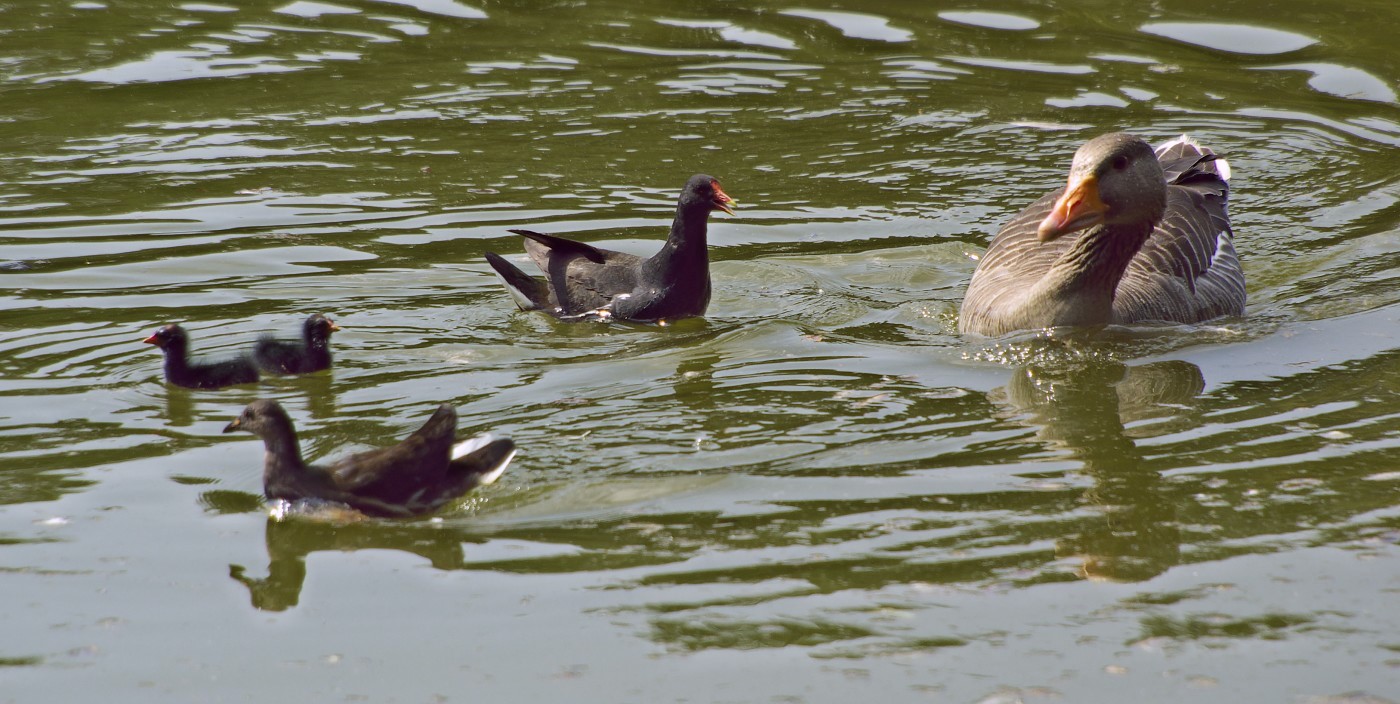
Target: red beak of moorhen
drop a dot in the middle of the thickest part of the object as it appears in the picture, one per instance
(722, 201)
(152, 340)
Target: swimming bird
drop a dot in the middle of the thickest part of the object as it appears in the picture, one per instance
(582, 281)
(174, 342)
(311, 354)
(416, 476)
(1153, 243)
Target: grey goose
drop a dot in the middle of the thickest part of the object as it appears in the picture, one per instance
(1137, 235)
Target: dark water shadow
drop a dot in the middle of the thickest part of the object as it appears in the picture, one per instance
(1088, 409)
(291, 539)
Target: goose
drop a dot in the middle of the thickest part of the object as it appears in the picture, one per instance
(174, 343)
(585, 282)
(414, 477)
(1137, 235)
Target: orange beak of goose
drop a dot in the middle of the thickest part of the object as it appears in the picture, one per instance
(722, 201)
(1079, 208)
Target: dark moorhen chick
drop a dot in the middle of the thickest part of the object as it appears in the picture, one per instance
(582, 281)
(311, 354)
(414, 477)
(1154, 244)
(175, 343)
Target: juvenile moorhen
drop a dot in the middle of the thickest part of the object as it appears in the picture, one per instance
(311, 354)
(414, 477)
(582, 281)
(175, 343)
(1155, 244)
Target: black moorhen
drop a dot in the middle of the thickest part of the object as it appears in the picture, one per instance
(414, 477)
(1155, 245)
(582, 281)
(175, 343)
(311, 354)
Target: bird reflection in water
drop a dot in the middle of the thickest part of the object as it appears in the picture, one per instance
(1091, 409)
(291, 538)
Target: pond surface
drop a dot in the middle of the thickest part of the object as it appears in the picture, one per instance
(819, 493)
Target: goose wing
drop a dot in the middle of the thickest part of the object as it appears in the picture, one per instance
(1187, 270)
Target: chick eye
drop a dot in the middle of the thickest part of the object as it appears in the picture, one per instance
(1120, 163)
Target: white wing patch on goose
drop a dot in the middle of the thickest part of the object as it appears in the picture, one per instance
(1223, 244)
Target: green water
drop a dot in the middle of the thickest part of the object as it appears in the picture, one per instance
(819, 493)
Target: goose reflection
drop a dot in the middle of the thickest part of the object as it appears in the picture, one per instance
(291, 539)
(1092, 410)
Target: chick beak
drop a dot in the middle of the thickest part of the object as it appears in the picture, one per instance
(1079, 208)
(235, 424)
(334, 327)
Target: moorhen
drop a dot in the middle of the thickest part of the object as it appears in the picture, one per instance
(416, 476)
(582, 281)
(1154, 244)
(175, 343)
(311, 354)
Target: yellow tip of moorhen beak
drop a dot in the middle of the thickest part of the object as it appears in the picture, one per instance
(334, 327)
(1079, 208)
(235, 424)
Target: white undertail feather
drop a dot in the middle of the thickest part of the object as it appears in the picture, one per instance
(466, 447)
(522, 301)
(1222, 167)
(1183, 139)
(491, 476)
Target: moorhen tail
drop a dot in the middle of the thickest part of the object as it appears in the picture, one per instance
(311, 354)
(582, 281)
(416, 476)
(1137, 235)
(174, 343)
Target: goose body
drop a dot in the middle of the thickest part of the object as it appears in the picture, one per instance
(174, 343)
(1138, 235)
(582, 281)
(416, 476)
(311, 354)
